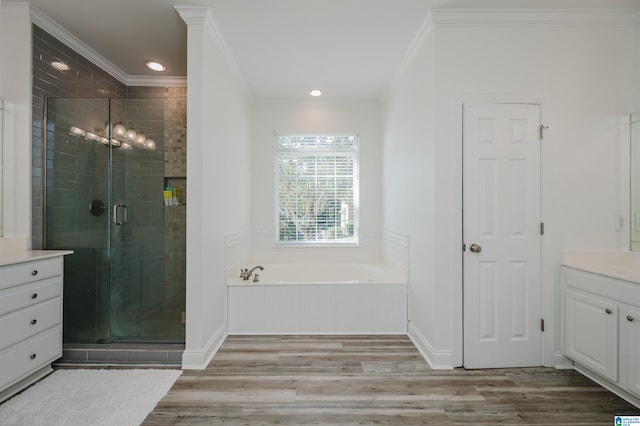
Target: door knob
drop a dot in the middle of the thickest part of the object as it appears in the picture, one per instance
(475, 248)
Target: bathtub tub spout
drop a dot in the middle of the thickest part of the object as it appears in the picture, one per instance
(245, 273)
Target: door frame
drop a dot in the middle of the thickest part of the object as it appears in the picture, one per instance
(548, 299)
(526, 350)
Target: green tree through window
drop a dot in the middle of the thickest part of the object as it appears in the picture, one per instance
(317, 187)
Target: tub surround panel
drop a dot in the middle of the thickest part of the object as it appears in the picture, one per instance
(264, 249)
(395, 248)
(351, 291)
(325, 308)
(237, 252)
(375, 245)
(256, 246)
(320, 273)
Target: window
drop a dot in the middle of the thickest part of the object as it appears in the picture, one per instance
(317, 189)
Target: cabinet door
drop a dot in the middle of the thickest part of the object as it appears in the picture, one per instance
(590, 333)
(630, 333)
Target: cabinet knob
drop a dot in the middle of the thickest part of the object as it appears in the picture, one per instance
(34, 295)
(34, 321)
(629, 318)
(33, 356)
(34, 272)
(608, 310)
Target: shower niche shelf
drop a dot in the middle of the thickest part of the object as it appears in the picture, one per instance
(179, 183)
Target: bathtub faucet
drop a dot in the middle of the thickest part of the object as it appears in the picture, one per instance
(245, 273)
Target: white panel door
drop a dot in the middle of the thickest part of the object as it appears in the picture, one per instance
(501, 231)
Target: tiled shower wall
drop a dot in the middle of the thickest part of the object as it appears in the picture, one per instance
(172, 102)
(160, 112)
(83, 80)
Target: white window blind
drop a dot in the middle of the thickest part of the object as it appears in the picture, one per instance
(317, 189)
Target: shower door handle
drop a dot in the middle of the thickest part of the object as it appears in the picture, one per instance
(117, 207)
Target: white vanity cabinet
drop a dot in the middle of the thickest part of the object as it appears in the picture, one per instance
(602, 329)
(30, 318)
(591, 338)
(630, 355)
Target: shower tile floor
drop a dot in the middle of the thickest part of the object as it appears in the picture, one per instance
(121, 354)
(382, 380)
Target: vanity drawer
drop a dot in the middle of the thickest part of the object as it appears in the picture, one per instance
(27, 322)
(26, 272)
(19, 297)
(29, 356)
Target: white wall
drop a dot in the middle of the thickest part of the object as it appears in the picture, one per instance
(315, 117)
(409, 188)
(581, 74)
(218, 181)
(636, 65)
(15, 90)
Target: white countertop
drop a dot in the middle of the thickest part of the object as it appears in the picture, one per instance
(10, 257)
(623, 265)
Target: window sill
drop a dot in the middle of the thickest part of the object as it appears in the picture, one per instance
(281, 244)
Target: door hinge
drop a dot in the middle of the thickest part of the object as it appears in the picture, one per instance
(541, 324)
(541, 129)
(541, 228)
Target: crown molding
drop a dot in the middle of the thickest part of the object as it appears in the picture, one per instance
(424, 32)
(151, 81)
(192, 15)
(57, 31)
(533, 18)
(202, 15)
(213, 29)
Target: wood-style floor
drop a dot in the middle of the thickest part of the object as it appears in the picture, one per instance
(372, 380)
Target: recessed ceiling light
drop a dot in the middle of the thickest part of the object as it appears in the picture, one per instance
(315, 92)
(156, 66)
(60, 66)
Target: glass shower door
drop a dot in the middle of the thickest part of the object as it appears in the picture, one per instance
(146, 304)
(105, 181)
(77, 212)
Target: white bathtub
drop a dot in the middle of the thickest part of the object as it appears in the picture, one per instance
(319, 299)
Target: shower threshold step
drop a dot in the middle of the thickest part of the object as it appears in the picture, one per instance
(121, 354)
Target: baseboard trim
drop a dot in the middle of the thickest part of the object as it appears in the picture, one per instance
(437, 360)
(561, 362)
(198, 360)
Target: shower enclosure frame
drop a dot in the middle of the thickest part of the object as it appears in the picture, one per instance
(123, 343)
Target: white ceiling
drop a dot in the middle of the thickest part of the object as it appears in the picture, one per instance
(350, 49)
